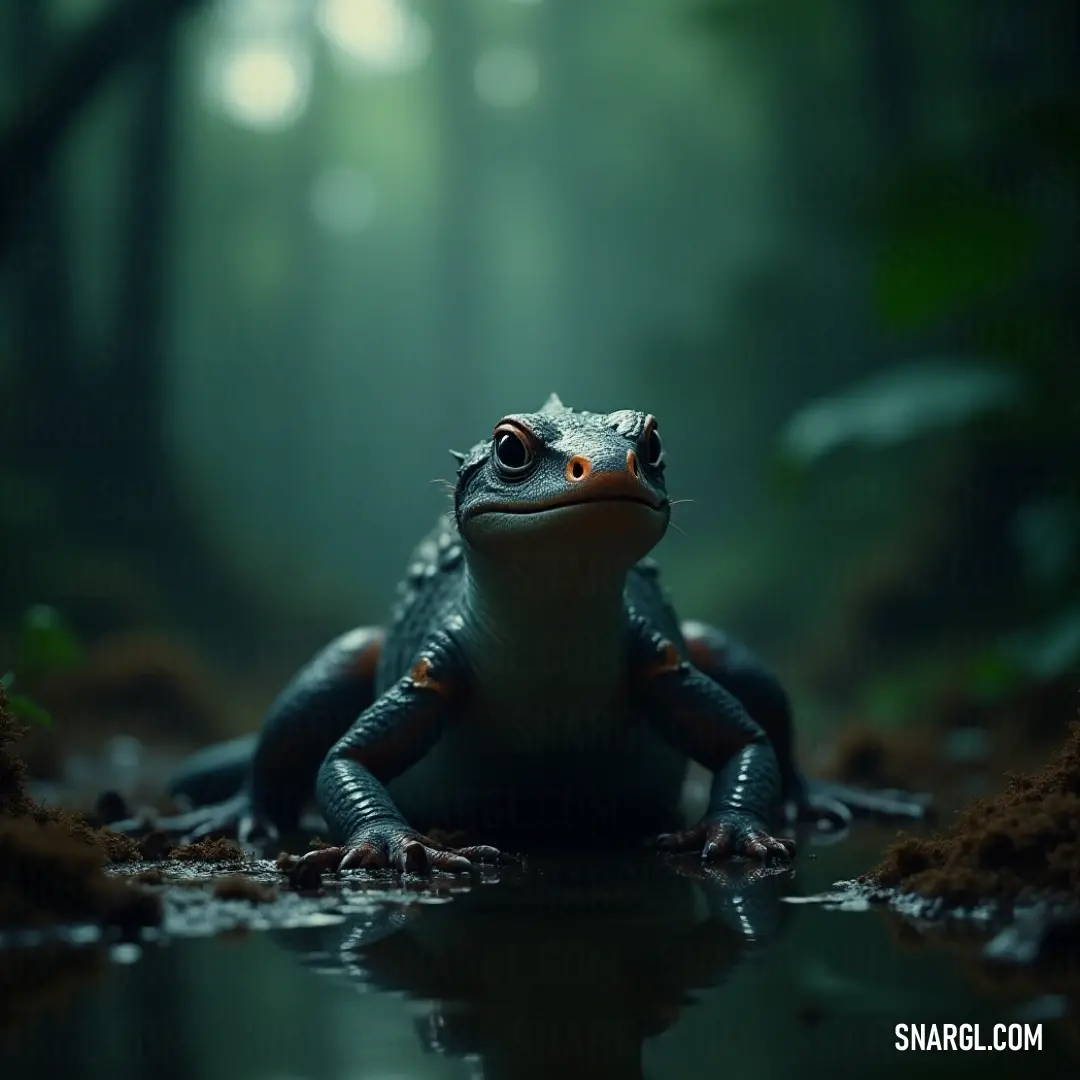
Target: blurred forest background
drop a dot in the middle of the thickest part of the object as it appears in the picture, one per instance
(262, 262)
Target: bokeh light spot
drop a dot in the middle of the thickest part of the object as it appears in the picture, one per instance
(507, 77)
(261, 85)
(377, 35)
(343, 200)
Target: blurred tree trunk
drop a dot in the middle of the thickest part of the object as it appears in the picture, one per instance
(891, 47)
(41, 280)
(97, 433)
(125, 407)
(71, 79)
(459, 278)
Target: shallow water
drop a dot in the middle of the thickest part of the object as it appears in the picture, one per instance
(618, 969)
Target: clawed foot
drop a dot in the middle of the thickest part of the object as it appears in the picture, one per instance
(835, 806)
(726, 835)
(400, 848)
(233, 819)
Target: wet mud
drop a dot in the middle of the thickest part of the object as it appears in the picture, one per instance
(52, 861)
(1021, 845)
(1000, 887)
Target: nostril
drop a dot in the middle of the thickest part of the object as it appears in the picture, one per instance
(632, 463)
(577, 468)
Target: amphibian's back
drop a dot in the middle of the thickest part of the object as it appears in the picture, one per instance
(433, 591)
(430, 592)
(647, 598)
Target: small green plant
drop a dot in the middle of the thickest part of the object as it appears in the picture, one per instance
(45, 644)
(22, 706)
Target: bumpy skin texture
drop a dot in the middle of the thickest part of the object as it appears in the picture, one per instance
(533, 670)
(711, 726)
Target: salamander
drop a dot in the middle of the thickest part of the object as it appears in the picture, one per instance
(533, 686)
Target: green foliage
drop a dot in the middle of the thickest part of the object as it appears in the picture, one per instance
(1046, 533)
(45, 644)
(988, 675)
(23, 706)
(892, 699)
(899, 405)
(947, 243)
(995, 675)
(1049, 651)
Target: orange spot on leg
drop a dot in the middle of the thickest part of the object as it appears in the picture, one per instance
(701, 656)
(423, 679)
(666, 662)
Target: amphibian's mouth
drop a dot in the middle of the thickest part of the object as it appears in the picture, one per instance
(560, 504)
(585, 486)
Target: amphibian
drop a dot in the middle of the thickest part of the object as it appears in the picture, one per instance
(533, 686)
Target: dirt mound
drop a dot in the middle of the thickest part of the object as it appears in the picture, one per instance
(52, 861)
(1021, 843)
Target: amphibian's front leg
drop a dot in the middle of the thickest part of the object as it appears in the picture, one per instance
(391, 735)
(736, 668)
(708, 724)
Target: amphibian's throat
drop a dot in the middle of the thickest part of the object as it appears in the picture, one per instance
(546, 640)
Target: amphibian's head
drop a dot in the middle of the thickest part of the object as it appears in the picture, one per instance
(565, 482)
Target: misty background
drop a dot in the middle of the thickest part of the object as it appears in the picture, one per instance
(265, 263)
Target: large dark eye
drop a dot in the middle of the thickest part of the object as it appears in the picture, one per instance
(653, 447)
(513, 454)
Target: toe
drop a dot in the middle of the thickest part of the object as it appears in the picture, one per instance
(130, 827)
(444, 838)
(413, 858)
(823, 808)
(450, 863)
(679, 841)
(481, 853)
(719, 843)
(325, 859)
(363, 857)
(757, 848)
(433, 843)
(253, 830)
(768, 847)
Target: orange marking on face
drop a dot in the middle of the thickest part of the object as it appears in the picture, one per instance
(422, 679)
(578, 468)
(588, 486)
(666, 662)
(631, 463)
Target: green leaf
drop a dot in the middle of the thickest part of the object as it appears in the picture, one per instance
(29, 710)
(785, 473)
(7, 681)
(1046, 534)
(994, 676)
(899, 405)
(1050, 651)
(46, 643)
(947, 244)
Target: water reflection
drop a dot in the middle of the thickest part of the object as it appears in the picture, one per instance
(561, 966)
